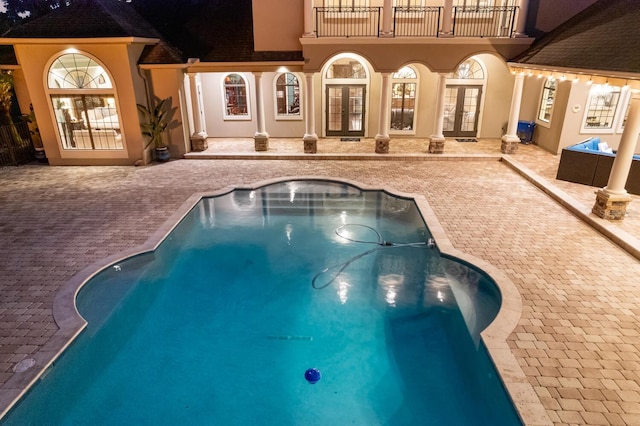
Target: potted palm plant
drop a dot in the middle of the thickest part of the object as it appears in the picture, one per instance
(156, 122)
(35, 135)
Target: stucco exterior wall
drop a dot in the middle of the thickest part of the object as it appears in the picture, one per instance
(496, 97)
(277, 24)
(219, 126)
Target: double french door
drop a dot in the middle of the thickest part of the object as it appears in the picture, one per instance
(345, 110)
(462, 107)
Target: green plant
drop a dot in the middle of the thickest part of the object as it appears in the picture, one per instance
(6, 98)
(33, 128)
(157, 121)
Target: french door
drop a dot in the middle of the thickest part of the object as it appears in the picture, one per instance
(345, 110)
(462, 107)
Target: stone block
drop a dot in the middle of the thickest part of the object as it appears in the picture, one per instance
(610, 207)
(508, 147)
(261, 143)
(382, 146)
(310, 146)
(199, 144)
(436, 147)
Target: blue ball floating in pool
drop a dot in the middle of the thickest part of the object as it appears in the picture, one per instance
(312, 375)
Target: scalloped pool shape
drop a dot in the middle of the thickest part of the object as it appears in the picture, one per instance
(250, 290)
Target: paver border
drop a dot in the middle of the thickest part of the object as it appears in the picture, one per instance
(71, 323)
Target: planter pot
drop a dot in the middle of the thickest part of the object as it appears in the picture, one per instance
(41, 156)
(163, 154)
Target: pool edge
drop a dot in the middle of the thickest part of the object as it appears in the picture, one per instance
(71, 324)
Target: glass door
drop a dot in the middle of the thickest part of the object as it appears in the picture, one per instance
(462, 105)
(345, 110)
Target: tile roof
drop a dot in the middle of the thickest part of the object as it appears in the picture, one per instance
(602, 37)
(211, 30)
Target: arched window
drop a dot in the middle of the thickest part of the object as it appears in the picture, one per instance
(84, 103)
(403, 99)
(287, 95)
(235, 96)
(346, 68)
(546, 102)
(468, 70)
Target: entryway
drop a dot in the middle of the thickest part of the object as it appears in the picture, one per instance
(345, 109)
(462, 106)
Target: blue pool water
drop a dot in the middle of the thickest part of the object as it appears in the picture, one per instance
(219, 325)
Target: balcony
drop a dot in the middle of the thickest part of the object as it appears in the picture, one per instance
(426, 21)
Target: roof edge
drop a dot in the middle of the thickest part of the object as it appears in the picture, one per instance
(79, 40)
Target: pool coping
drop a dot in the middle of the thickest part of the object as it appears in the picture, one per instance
(71, 323)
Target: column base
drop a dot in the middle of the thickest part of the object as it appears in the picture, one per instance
(610, 206)
(509, 144)
(436, 145)
(310, 144)
(442, 34)
(382, 144)
(199, 143)
(261, 142)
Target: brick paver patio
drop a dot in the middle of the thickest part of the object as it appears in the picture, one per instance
(578, 338)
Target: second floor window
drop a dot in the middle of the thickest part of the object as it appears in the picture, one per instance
(474, 4)
(408, 3)
(548, 97)
(346, 4)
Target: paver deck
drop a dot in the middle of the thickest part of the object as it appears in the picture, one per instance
(577, 340)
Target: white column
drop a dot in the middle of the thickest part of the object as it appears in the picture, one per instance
(447, 19)
(196, 106)
(523, 9)
(439, 118)
(387, 19)
(626, 149)
(514, 112)
(382, 138)
(261, 138)
(310, 138)
(309, 109)
(308, 19)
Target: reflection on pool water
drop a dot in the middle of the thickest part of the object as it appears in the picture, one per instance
(255, 287)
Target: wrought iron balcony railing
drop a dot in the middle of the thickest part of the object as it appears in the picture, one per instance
(495, 21)
(416, 21)
(348, 22)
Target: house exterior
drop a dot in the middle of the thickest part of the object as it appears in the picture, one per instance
(307, 69)
(579, 78)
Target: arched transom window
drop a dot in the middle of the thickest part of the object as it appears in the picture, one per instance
(84, 103)
(403, 99)
(346, 68)
(287, 95)
(468, 70)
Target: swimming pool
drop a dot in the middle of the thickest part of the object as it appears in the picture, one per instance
(252, 288)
